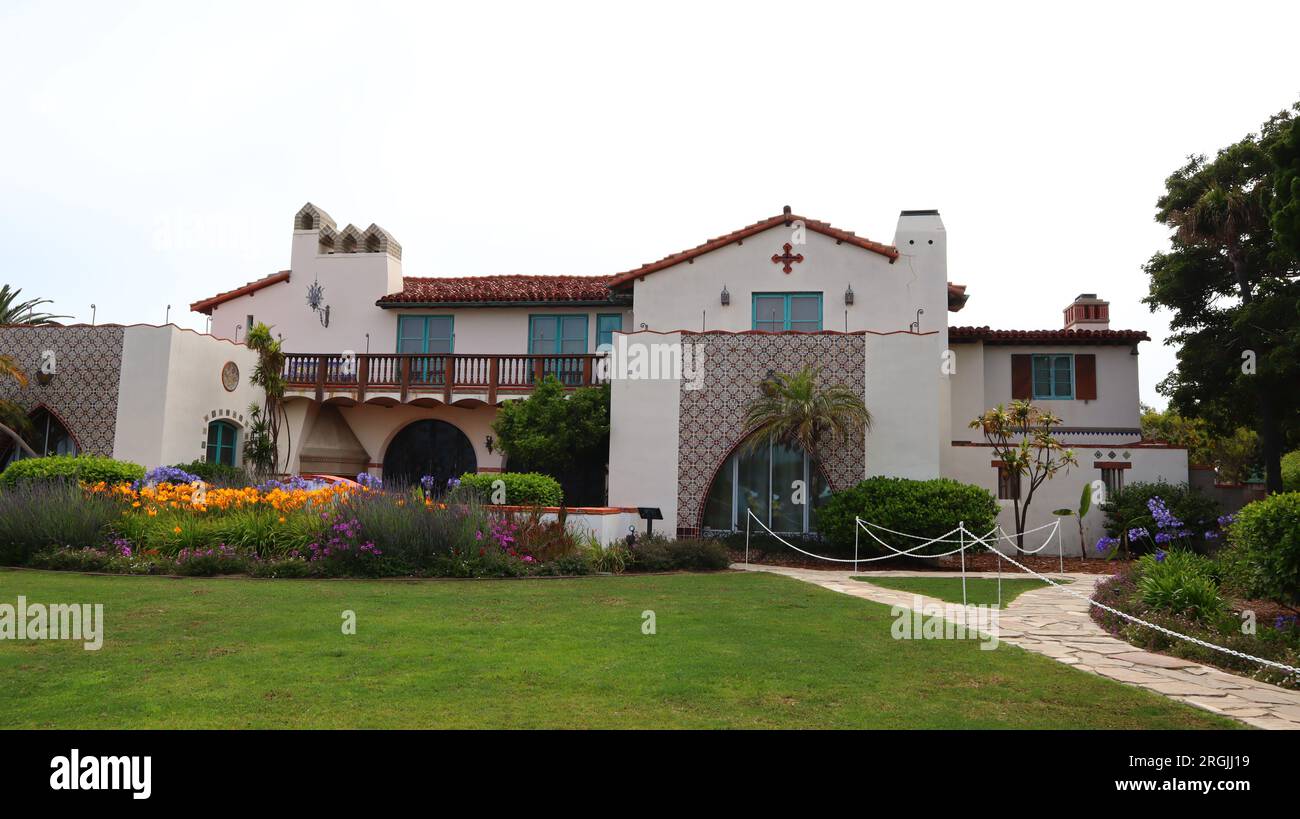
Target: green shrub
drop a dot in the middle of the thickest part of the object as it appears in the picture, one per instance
(1264, 555)
(925, 508)
(1179, 582)
(35, 516)
(1291, 471)
(1128, 509)
(87, 468)
(521, 488)
(658, 554)
(217, 474)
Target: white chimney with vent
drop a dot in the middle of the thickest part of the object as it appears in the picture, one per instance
(1087, 312)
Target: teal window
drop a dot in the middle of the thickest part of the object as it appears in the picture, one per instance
(557, 334)
(221, 443)
(425, 334)
(788, 311)
(1053, 376)
(606, 326)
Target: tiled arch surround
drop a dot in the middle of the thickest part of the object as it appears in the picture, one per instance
(84, 391)
(711, 418)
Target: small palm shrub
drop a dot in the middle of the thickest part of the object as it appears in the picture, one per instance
(85, 468)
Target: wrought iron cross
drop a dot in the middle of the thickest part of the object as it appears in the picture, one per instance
(787, 258)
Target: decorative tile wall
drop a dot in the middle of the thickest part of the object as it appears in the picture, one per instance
(83, 390)
(712, 417)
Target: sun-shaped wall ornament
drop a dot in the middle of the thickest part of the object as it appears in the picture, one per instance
(316, 301)
(230, 376)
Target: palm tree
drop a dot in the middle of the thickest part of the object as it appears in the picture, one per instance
(12, 416)
(13, 311)
(793, 409)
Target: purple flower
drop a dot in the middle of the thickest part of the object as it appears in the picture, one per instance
(1224, 520)
(1106, 543)
(1137, 532)
(1212, 534)
(1160, 556)
(1163, 537)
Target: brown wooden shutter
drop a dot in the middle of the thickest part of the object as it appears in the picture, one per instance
(1085, 377)
(1022, 377)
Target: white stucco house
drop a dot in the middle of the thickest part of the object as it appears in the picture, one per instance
(400, 375)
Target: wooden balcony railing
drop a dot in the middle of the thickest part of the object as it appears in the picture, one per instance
(445, 373)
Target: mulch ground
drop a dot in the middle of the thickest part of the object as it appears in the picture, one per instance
(974, 563)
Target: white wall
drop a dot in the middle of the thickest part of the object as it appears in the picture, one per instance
(687, 296)
(171, 379)
(643, 445)
(973, 464)
(1116, 405)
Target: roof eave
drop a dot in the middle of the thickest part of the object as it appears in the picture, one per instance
(390, 305)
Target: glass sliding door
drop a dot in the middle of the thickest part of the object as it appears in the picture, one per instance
(780, 484)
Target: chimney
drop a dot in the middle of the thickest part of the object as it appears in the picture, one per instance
(1087, 312)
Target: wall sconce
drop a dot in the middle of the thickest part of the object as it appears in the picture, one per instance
(489, 443)
(726, 296)
(848, 295)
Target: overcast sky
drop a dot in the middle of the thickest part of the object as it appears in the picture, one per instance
(155, 153)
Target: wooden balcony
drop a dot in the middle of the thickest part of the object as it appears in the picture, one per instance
(411, 375)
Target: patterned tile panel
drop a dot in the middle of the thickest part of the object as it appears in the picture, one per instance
(83, 390)
(711, 417)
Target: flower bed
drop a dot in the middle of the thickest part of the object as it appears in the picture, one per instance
(166, 524)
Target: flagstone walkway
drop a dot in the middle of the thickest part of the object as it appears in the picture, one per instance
(1055, 623)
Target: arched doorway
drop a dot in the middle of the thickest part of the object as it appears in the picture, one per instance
(428, 447)
(781, 483)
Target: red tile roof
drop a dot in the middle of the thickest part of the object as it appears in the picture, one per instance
(823, 228)
(206, 305)
(1046, 336)
(501, 290)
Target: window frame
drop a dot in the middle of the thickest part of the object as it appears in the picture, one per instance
(601, 317)
(218, 445)
(1006, 489)
(559, 332)
(1053, 363)
(424, 332)
(732, 465)
(1116, 478)
(787, 298)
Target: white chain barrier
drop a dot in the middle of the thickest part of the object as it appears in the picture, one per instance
(966, 539)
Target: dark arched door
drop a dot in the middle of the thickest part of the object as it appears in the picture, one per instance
(429, 447)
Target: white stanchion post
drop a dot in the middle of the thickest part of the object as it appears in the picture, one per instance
(1060, 547)
(857, 529)
(961, 533)
(998, 552)
(748, 514)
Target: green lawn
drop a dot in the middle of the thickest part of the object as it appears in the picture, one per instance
(737, 650)
(979, 590)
